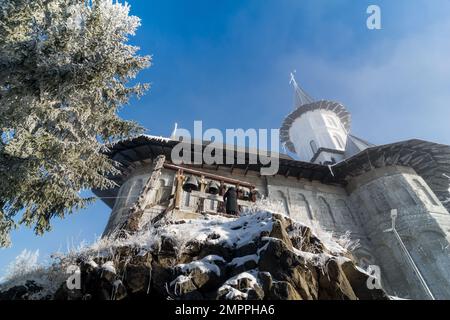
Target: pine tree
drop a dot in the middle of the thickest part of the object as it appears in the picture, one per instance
(65, 70)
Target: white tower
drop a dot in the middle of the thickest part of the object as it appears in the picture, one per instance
(316, 131)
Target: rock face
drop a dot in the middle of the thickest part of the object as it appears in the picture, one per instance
(263, 257)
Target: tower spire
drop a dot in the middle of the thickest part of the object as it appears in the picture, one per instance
(300, 95)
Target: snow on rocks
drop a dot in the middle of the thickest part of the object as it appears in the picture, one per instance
(241, 286)
(260, 255)
(249, 276)
(239, 261)
(205, 265)
(109, 266)
(218, 230)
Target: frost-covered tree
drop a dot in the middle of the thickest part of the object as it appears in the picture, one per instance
(65, 70)
(25, 263)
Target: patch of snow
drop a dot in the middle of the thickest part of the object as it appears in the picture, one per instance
(250, 275)
(109, 266)
(205, 265)
(92, 263)
(242, 260)
(309, 256)
(214, 258)
(158, 138)
(233, 282)
(219, 230)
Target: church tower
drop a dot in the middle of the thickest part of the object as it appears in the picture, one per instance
(317, 131)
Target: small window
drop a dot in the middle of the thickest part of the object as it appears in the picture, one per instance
(313, 146)
(332, 122)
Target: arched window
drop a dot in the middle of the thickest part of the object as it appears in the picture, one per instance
(425, 192)
(339, 141)
(284, 203)
(313, 146)
(304, 206)
(379, 198)
(331, 122)
(135, 191)
(403, 194)
(346, 211)
(325, 209)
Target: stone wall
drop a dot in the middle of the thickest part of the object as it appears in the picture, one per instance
(423, 225)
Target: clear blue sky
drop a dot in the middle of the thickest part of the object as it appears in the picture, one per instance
(228, 62)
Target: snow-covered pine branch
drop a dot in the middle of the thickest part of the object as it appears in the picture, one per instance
(65, 67)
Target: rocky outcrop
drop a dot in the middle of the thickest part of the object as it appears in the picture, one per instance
(21, 292)
(266, 256)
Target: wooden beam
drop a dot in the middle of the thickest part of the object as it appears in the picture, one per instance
(210, 176)
(179, 189)
(137, 210)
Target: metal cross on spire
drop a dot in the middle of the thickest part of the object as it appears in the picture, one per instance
(300, 95)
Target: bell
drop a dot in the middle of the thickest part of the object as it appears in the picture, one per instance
(190, 184)
(213, 188)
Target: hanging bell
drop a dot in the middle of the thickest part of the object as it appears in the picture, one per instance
(191, 184)
(213, 188)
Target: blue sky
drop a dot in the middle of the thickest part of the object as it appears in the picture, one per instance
(228, 62)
